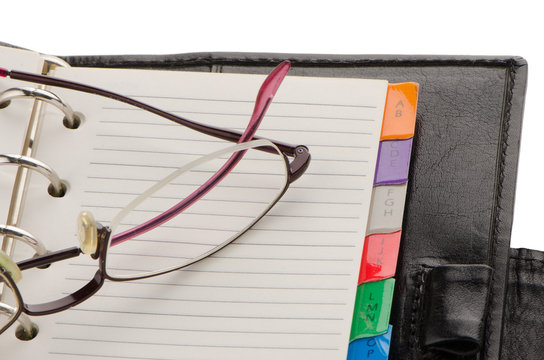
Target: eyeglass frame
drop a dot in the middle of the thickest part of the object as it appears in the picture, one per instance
(299, 164)
(6, 276)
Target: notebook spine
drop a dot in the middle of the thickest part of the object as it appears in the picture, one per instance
(26, 162)
(371, 332)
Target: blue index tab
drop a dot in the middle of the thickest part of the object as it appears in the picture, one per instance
(372, 348)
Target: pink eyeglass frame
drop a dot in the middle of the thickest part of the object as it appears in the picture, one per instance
(296, 167)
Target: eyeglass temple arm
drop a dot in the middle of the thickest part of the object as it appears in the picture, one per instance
(225, 134)
(300, 152)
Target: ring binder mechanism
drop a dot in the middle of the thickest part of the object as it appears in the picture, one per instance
(24, 236)
(71, 119)
(26, 162)
(57, 187)
(11, 230)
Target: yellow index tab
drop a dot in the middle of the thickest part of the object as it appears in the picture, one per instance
(399, 117)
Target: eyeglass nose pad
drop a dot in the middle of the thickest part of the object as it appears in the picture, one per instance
(10, 267)
(87, 233)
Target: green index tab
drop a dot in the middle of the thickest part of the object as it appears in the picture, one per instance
(372, 309)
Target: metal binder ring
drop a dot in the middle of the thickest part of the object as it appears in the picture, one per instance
(57, 187)
(30, 329)
(24, 236)
(72, 119)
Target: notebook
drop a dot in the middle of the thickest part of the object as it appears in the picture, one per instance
(285, 289)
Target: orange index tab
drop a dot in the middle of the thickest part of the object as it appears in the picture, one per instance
(399, 118)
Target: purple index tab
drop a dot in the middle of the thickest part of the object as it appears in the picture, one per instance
(393, 162)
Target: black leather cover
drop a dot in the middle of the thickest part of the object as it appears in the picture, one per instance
(460, 192)
(523, 337)
(454, 310)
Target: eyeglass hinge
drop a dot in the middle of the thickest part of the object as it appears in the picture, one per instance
(300, 163)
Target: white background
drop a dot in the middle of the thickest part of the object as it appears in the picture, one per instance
(338, 27)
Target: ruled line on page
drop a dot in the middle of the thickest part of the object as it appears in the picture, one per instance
(247, 115)
(220, 331)
(281, 200)
(254, 302)
(254, 287)
(191, 270)
(242, 244)
(294, 186)
(196, 213)
(252, 101)
(199, 154)
(216, 316)
(233, 257)
(308, 173)
(72, 354)
(201, 141)
(195, 345)
(261, 128)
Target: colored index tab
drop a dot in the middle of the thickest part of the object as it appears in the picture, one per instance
(372, 309)
(386, 209)
(393, 162)
(372, 348)
(380, 255)
(399, 119)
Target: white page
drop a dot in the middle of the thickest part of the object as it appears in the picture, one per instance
(285, 289)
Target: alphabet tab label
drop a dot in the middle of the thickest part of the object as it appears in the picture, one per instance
(399, 118)
(371, 348)
(393, 162)
(386, 209)
(380, 255)
(372, 309)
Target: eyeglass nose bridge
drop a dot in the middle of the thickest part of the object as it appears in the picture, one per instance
(89, 289)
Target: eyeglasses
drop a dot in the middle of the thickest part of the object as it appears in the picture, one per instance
(174, 223)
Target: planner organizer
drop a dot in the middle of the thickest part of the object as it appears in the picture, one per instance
(286, 289)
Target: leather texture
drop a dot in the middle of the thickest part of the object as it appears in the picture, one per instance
(523, 337)
(462, 177)
(454, 309)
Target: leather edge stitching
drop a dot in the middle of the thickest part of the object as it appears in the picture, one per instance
(504, 145)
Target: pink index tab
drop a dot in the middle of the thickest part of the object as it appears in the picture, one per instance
(380, 255)
(4, 72)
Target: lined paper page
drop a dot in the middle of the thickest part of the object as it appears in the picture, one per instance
(284, 290)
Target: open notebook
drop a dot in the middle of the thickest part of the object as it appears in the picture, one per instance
(285, 289)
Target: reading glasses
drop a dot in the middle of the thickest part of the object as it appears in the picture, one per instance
(156, 233)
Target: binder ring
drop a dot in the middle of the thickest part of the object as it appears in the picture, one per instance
(57, 187)
(24, 236)
(27, 330)
(71, 120)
